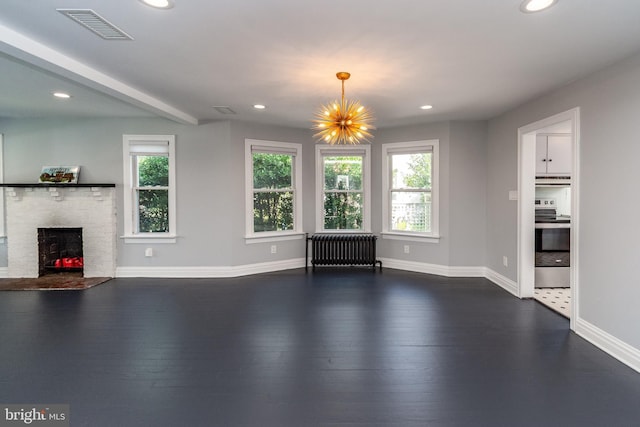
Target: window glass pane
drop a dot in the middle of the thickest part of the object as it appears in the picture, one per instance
(152, 171)
(411, 211)
(411, 170)
(343, 173)
(153, 211)
(343, 211)
(272, 170)
(272, 211)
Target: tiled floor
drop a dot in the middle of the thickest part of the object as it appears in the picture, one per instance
(557, 299)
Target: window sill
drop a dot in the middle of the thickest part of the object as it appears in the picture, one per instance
(250, 240)
(411, 237)
(149, 238)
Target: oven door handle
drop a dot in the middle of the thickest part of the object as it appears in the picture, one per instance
(553, 225)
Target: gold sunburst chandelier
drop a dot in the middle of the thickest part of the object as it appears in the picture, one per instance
(344, 122)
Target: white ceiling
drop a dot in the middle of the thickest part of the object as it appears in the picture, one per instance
(471, 59)
(26, 92)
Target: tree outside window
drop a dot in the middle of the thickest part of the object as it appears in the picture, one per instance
(410, 189)
(153, 193)
(343, 193)
(411, 192)
(273, 192)
(149, 188)
(273, 197)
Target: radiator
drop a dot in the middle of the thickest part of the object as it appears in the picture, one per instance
(342, 249)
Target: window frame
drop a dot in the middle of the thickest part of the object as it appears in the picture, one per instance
(131, 235)
(275, 147)
(389, 150)
(322, 151)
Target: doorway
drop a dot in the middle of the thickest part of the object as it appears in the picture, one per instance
(566, 122)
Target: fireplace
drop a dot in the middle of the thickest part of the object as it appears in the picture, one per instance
(83, 217)
(59, 251)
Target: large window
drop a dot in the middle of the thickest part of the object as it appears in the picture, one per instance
(149, 178)
(342, 177)
(410, 198)
(273, 188)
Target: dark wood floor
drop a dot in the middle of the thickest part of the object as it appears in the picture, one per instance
(336, 348)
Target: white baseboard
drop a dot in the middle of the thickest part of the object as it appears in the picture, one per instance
(453, 271)
(245, 270)
(606, 342)
(4, 272)
(440, 270)
(209, 272)
(502, 281)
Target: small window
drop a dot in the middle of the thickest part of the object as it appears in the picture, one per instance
(274, 206)
(410, 199)
(343, 194)
(149, 186)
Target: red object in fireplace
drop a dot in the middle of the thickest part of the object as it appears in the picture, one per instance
(74, 262)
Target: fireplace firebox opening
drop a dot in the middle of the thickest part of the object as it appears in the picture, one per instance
(60, 251)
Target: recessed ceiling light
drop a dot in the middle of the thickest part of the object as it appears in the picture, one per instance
(61, 95)
(159, 4)
(259, 106)
(530, 6)
(426, 107)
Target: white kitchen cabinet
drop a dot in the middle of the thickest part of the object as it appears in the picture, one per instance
(553, 155)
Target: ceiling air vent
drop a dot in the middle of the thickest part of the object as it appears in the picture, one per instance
(223, 109)
(96, 23)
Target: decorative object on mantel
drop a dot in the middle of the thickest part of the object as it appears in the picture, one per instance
(59, 174)
(346, 122)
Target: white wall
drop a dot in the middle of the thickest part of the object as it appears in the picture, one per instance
(210, 181)
(609, 205)
(463, 155)
(431, 253)
(261, 252)
(96, 145)
(468, 193)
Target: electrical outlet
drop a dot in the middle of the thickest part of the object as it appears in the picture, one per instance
(274, 249)
(148, 252)
(407, 249)
(505, 261)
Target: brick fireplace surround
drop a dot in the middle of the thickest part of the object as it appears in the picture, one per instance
(90, 207)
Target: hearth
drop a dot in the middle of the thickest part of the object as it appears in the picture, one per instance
(59, 250)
